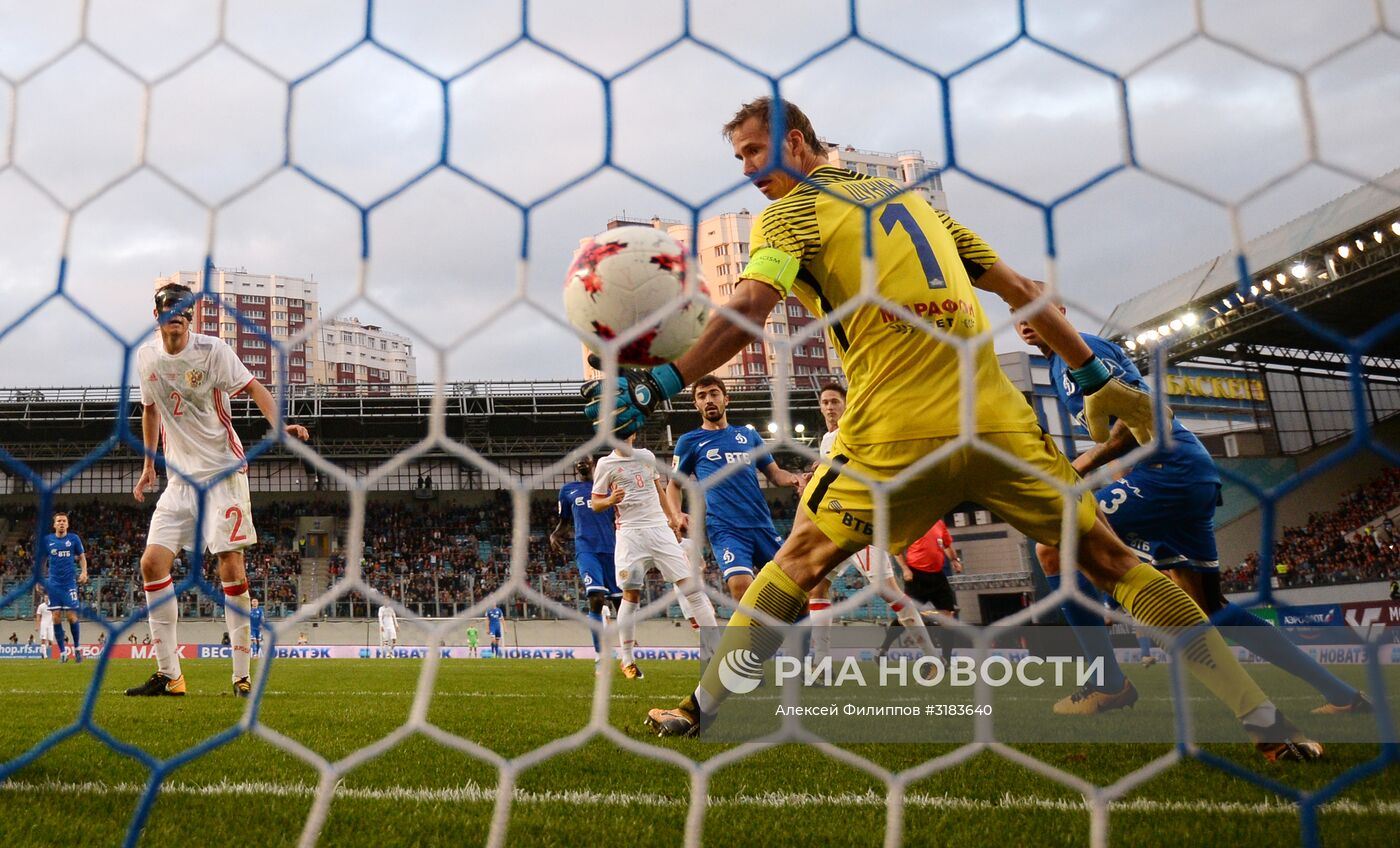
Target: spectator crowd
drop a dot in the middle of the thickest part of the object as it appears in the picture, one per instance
(1354, 542)
(436, 559)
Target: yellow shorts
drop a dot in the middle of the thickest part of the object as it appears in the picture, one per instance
(843, 507)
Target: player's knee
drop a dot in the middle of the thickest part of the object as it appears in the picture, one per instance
(1103, 556)
(1049, 559)
(595, 603)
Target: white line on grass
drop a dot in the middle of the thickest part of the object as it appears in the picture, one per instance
(475, 793)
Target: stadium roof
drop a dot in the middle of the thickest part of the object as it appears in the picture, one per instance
(1308, 264)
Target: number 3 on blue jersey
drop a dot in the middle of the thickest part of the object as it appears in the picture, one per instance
(896, 214)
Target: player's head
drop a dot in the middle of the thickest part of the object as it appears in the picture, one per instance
(584, 468)
(832, 401)
(60, 523)
(750, 132)
(174, 309)
(1028, 333)
(711, 398)
(253, 603)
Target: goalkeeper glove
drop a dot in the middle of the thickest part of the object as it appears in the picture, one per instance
(638, 393)
(1107, 397)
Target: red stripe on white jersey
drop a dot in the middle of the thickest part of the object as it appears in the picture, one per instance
(233, 443)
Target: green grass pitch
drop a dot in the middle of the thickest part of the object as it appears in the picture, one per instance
(420, 792)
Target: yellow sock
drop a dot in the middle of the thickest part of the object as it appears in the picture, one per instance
(775, 594)
(1152, 598)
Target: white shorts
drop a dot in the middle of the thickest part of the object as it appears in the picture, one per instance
(46, 628)
(869, 561)
(640, 549)
(228, 516)
(388, 634)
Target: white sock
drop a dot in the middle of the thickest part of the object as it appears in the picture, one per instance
(820, 623)
(1263, 715)
(908, 615)
(627, 629)
(162, 618)
(240, 634)
(695, 604)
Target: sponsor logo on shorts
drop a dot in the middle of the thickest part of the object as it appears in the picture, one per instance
(834, 505)
(728, 556)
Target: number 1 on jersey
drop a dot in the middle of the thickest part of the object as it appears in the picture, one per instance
(896, 214)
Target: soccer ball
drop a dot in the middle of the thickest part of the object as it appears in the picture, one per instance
(619, 278)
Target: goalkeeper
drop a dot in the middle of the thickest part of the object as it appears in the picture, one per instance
(906, 393)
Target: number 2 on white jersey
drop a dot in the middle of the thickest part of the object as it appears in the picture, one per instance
(179, 402)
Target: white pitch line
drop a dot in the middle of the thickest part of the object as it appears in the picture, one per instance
(475, 793)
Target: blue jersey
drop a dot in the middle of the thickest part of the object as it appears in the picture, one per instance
(255, 621)
(593, 531)
(737, 502)
(493, 620)
(1188, 462)
(62, 553)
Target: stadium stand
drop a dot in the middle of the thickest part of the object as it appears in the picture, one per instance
(435, 558)
(1354, 542)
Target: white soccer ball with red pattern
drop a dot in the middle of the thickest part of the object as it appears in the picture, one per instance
(620, 278)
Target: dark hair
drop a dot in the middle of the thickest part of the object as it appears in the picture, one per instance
(710, 380)
(832, 386)
(762, 109)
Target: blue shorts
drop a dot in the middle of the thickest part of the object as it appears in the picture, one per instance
(598, 573)
(495, 632)
(1169, 526)
(744, 551)
(62, 595)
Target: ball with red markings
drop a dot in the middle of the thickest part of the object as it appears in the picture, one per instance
(636, 279)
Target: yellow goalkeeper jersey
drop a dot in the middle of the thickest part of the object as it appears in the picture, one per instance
(904, 381)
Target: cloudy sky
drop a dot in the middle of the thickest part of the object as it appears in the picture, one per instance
(201, 102)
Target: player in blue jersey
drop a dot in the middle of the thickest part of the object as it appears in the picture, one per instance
(255, 625)
(1164, 509)
(595, 540)
(65, 560)
(495, 619)
(737, 519)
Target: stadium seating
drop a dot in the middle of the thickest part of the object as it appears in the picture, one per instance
(1354, 542)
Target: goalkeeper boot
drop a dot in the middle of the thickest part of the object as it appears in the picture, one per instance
(1360, 705)
(1282, 741)
(159, 684)
(631, 672)
(681, 721)
(242, 688)
(1148, 660)
(1088, 701)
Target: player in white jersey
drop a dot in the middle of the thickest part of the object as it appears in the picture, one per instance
(44, 619)
(388, 630)
(875, 565)
(186, 382)
(648, 536)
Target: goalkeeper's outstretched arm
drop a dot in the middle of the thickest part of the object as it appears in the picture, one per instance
(1105, 396)
(1050, 324)
(722, 338)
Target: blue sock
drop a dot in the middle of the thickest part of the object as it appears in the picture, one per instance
(598, 617)
(73, 626)
(1273, 644)
(1091, 633)
(58, 637)
(1145, 645)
